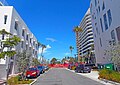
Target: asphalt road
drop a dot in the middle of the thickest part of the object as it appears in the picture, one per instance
(59, 76)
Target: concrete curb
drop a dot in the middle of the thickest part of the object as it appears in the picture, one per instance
(107, 81)
(33, 82)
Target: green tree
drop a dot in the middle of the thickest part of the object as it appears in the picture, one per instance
(71, 49)
(63, 60)
(35, 62)
(53, 61)
(23, 61)
(8, 43)
(72, 59)
(113, 53)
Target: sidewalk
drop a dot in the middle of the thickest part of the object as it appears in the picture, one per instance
(94, 76)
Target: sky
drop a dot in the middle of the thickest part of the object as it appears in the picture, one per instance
(52, 22)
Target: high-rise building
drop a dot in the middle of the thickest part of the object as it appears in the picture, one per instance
(86, 42)
(13, 23)
(106, 26)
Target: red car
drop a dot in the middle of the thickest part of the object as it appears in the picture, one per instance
(32, 72)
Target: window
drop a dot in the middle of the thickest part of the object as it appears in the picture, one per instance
(26, 37)
(30, 40)
(33, 51)
(113, 35)
(103, 7)
(118, 33)
(3, 36)
(5, 19)
(23, 33)
(33, 43)
(99, 8)
(101, 24)
(22, 44)
(16, 25)
(95, 2)
(109, 17)
(105, 21)
(97, 11)
(97, 30)
(100, 42)
(26, 47)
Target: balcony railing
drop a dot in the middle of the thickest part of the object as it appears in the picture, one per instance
(3, 3)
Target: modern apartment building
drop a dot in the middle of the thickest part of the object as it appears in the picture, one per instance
(106, 26)
(11, 21)
(86, 42)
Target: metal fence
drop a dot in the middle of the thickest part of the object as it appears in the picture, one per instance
(4, 2)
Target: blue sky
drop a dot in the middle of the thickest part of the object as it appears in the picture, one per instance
(52, 22)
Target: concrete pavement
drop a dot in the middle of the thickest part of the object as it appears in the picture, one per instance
(93, 75)
(58, 76)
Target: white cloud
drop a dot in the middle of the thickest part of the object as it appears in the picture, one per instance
(45, 50)
(51, 39)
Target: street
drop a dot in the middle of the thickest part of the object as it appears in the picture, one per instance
(59, 76)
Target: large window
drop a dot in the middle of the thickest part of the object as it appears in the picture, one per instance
(113, 35)
(95, 2)
(5, 19)
(26, 37)
(109, 17)
(23, 33)
(16, 25)
(22, 44)
(100, 42)
(99, 8)
(3, 36)
(101, 24)
(118, 33)
(30, 40)
(103, 7)
(105, 21)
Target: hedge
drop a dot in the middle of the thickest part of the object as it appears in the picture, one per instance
(109, 75)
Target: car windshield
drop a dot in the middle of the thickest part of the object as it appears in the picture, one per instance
(32, 69)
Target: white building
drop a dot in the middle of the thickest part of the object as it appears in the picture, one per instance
(13, 23)
(106, 26)
(86, 41)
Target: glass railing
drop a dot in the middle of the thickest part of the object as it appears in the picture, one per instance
(3, 3)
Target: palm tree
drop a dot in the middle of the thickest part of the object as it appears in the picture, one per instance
(43, 47)
(39, 44)
(71, 49)
(77, 30)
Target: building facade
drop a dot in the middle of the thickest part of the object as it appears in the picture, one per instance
(13, 23)
(106, 26)
(86, 42)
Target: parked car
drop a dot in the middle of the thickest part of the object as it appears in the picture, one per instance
(41, 69)
(32, 72)
(71, 66)
(81, 68)
(46, 68)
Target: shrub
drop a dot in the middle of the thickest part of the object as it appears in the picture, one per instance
(109, 75)
(16, 80)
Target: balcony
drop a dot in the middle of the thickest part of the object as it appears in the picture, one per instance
(3, 3)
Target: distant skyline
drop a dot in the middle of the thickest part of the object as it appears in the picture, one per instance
(52, 22)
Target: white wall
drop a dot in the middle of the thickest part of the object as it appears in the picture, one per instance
(105, 36)
(13, 17)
